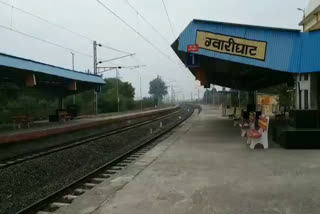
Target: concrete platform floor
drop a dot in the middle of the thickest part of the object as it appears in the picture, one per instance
(206, 167)
(42, 130)
(9, 130)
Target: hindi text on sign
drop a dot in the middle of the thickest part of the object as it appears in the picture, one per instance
(232, 45)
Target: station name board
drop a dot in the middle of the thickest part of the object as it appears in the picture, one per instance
(232, 45)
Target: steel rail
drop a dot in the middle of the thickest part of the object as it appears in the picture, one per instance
(30, 156)
(50, 198)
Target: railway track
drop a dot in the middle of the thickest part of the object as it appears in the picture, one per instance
(50, 150)
(65, 195)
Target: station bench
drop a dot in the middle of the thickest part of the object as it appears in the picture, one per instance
(23, 120)
(247, 125)
(259, 136)
(63, 116)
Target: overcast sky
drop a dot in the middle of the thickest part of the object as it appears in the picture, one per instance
(90, 19)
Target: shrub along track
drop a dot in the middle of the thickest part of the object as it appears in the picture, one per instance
(25, 183)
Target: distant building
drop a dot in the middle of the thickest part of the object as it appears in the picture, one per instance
(311, 21)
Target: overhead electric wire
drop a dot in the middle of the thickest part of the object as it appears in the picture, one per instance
(148, 22)
(46, 21)
(60, 26)
(111, 48)
(130, 67)
(134, 30)
(46, 41)
(151, 25)
(109, 60)
(169, 20)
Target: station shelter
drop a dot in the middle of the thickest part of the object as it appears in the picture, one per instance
(53, 80)
(250, 58)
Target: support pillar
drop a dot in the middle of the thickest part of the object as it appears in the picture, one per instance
(61, 102)
(30, 80)
(252, 101)
(95, 102)
(307, 91)
(306, 114)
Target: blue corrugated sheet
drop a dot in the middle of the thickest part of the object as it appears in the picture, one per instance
(287, 50)
(33, 66)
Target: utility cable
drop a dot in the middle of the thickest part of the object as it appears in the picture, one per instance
(148, 22)
(114, 49)
(45, 41)
(113, 59)
(59, 26)
(134, 30)
(169, 20)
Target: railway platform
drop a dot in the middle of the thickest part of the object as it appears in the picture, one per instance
(206, 167)
(14, 143)
(42, 129)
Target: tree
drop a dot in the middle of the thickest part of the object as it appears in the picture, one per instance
(158, 89)
(39, 103)
(108, 96)
(127, 90)
(8, 92)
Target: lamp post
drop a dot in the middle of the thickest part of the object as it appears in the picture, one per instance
(303, 11)
(304, 16)
(140, 86)
(140, 82)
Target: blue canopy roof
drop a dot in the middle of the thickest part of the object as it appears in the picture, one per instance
(38, 67)
(286, 50)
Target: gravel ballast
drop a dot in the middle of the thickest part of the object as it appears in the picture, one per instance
(26, 183)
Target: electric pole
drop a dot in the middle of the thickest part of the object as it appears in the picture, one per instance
(95, 59)
(118, 99)
(74, 96)
(72, 60)
(140, 93)
(172, 95)
(95, 71)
